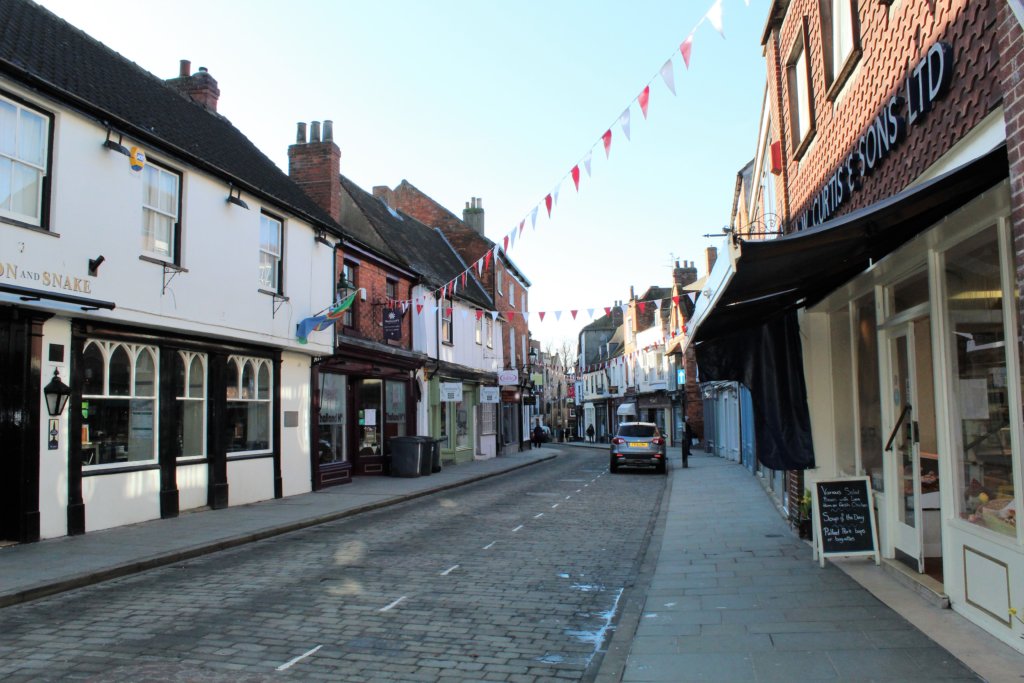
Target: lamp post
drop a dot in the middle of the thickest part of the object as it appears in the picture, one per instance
(57, 394)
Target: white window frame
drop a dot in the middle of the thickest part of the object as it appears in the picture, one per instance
(15, 160)
(447, 321)
(798, 86)
(271, 282)
(257, 364)
(161, 172)
(489, 330)
(184, 395)
(842, 34)
(497, 274)
(480, 330)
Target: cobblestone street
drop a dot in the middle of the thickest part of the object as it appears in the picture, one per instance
(511, 579)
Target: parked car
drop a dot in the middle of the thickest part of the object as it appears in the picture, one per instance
(637, 444)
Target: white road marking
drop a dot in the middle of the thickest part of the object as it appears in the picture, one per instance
(568, 497)
(517, 528)
(292, 662)
(554, 506)
(488, 546)
(578, 490)
(395, 603)
(537, 516)
(448, 571)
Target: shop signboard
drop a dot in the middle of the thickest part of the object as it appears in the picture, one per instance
(393, 324)
(844, 519)
(508, 378)
(490, 395)
(451, 392)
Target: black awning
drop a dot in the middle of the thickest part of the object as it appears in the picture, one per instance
(799, 269)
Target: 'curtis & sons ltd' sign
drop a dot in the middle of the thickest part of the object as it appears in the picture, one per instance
(925, 84)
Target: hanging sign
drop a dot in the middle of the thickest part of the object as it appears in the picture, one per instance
(393, 324)
(451, 392)
(844, 519)
(490, 395)
(507, 378)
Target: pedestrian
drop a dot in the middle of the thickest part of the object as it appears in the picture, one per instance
(687, 441)
(538, 436)
(590, 433)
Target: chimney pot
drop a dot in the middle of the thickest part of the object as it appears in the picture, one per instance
(314, 131)
(202, 69)
(184, 69)
(300, 133)
(328, 130)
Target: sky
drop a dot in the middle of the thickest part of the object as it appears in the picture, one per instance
(497, 100)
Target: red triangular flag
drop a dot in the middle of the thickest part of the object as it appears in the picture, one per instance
(522, 224)
(487, 259)
(642, 305)
(607, 138)
(541, 314)
(448, 311)
(479, 313)
(574, 312)
(675, 299)
(607, 310)
(506, 243)
(547, 204)
(465, 276)
(511, 314)
(419, 308)
(643, 99)
(684, 49)
(575, 173)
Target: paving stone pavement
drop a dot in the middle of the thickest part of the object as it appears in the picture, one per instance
(735, 596)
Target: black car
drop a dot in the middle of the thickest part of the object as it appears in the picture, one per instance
(637, 444)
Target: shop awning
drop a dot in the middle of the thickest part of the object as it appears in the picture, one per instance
(745, 323)
(626, 409)
(759, 280)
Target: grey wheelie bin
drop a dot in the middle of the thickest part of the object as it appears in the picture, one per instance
(407, 456)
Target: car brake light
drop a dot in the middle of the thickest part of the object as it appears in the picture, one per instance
(657, 441)
(618, 440)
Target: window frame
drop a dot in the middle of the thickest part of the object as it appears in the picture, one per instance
(350, 272)
(258, 362)
(447, 321)
(489, 331)
(391, 288)
(183, 395)
(278, 286)
(497, 275)
(800, 136)
(838, 68)
(7, 216)
(174, 257)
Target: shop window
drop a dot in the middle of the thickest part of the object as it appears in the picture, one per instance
(331, 447)
(247, 415)
(909, 292)
(190, 404)
(24, 162)
(842, 390)
(488, 418)
(461, 425)
(868, 392)
(394, 409)
(801, 110)
(447, 331)
(840, 38)
(270, 253)
(119, 403)
(984, 453)
(489, 331)
(161, 205)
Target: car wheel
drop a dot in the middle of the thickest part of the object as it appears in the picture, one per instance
(661, 469)
(613, 467)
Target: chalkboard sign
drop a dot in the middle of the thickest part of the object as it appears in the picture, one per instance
(844, 518)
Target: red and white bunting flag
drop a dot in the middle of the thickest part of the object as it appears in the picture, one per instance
(587, 159)
(714, 17)
(511, 315)
(480, 265)
(624, 122)
(497, 252)
(591, 312)
(465, 277)
(574, 312)
(669, 76)
(405, 307)
(643, 98)
(487, 258)
(533, 218)
(558, 316)
(693, 297)
(512, 237)
(494, 315)
(547, 204)
(506, 243)
(624, 307)
(607, 310)
(607, 139)
(575, 173)
(419, 308)
(479, 313)
(642, 305)
(554, 193)
(465, 314)
(434, 310)
(675, 299)
(542, 314)
(657, 304)
(526, 315)
(522, 224)
(684, 48)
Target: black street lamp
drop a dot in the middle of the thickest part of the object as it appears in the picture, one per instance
(57, 394)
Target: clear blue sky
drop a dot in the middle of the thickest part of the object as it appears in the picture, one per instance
(467, 98)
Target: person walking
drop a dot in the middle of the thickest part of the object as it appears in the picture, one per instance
(538, 436)
(590, 433)
(687, 441)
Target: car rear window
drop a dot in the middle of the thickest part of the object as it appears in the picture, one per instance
(637, 430)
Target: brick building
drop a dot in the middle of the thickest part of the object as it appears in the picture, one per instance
(880, 336)
(507, 286)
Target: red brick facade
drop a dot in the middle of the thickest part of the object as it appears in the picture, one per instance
(368, 315)
(1011, 69)
(470, 245)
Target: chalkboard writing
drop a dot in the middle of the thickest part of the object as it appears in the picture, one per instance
(844, 517)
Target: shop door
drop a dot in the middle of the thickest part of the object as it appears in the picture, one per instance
(911, 452)
(369, 447)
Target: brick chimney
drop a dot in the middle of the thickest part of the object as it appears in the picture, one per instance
(473, 214)
(315, 166)
(200, 86)
(685, 274)
(712, 256)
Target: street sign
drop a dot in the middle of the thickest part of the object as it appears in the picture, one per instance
(490, 395)
(451, 392)
(507, 378)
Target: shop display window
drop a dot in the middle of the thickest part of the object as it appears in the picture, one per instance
(190, 404)
(247, 411)
(118, 403)
(974, 299)
(869, 402)
(461, 425)
(331, 440)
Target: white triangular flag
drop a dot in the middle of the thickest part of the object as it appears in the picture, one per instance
(480, 266)
(494, 315)
(512, 237)
(465, 314)
(591, 312)
(435, 310)
(558, 315)
(533, 217)
(714, 17)
(693, 297)
(624, 122)
(554, 193)
(526, 315)
(657, 304)
(668, 75)
(625, 308)
(586, 161)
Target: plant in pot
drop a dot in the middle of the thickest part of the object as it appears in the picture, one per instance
(804, 522)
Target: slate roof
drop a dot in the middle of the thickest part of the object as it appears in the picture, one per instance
(44, 52)
(423, 250)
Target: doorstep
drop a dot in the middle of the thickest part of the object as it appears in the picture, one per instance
(922, 584)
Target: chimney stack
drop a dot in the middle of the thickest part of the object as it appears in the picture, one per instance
(199, 87)
(685, 275)
(473, 215)
(315, 166)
